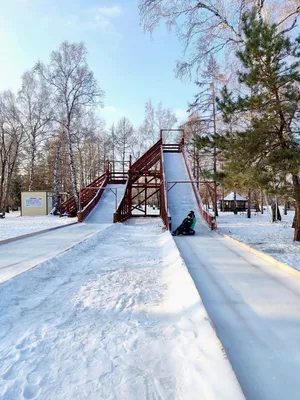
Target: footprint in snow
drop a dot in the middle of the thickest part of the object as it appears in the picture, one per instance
(31, 392)
(11, 374)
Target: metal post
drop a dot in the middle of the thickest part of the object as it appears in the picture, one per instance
(146, 195)
(79, 199)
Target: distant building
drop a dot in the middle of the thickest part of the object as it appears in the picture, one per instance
(227, 204)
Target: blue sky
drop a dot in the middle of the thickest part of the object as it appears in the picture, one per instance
(129, 66)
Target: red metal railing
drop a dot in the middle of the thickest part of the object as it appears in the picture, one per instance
(210, 219)
(124, 210)
(164, 210)
(142, 165)
(90, 195)
(85, 196)
(81, 215)
(171, 148)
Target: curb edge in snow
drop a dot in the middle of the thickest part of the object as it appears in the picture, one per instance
(27, 235)
(279, 264)
(62, 251)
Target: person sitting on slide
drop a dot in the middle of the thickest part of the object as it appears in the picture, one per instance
(187, 226)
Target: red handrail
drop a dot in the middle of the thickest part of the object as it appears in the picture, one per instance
(86, 195)
(81, 215)
(164, 210)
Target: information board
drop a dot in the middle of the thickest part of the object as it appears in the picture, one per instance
(33, 202)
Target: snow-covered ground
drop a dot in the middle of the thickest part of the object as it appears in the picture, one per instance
(275, 239)
(14, 225)
(20, 256)
(150, 211)
(116, 317)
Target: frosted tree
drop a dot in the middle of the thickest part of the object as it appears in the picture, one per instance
(154, 121)
(11, 138)
(35, 108)
(124, 137)
(206, 28)
(74, 87)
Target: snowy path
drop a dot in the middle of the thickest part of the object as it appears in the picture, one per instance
(20, 256)
(117, 318)
(13, 226)
(254, 307)
(24, 254)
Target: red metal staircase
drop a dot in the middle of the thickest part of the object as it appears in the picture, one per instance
(90, 195)
(145, 180)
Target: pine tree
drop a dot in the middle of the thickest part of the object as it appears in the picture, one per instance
(263, 121)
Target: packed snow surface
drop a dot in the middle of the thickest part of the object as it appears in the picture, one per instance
(275, 239)
(17, 257)
(115, 317)
(14, 225)
(254, 306)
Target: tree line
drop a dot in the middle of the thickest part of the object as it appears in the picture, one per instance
(52, 134)
(243, 132)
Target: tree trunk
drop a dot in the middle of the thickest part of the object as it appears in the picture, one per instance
(56, 180)
(2, 184)
(123, 162)
(249, 204)
(72, 167)
(31, 169)
(285, 207)
(262, 201)
(10, 170)
(296, 223)
(81, 174)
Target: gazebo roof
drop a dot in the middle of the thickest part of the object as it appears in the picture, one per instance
(230, 197)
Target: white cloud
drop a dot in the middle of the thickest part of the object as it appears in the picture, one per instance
(112, 114)
(110, 109)
(101, 17)
(90, 19)
(113, 11)
(181, 114)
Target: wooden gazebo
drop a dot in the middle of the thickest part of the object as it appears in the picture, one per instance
(228, 203)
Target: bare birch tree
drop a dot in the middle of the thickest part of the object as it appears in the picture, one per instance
(74, 87)
(124, 137)
(154, 121)
(12, 135)
(35, 109)
(207, 27)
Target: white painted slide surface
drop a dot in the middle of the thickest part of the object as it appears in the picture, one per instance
(254, 307)
(104, 211)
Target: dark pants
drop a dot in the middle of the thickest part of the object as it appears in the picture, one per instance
(183, 229)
